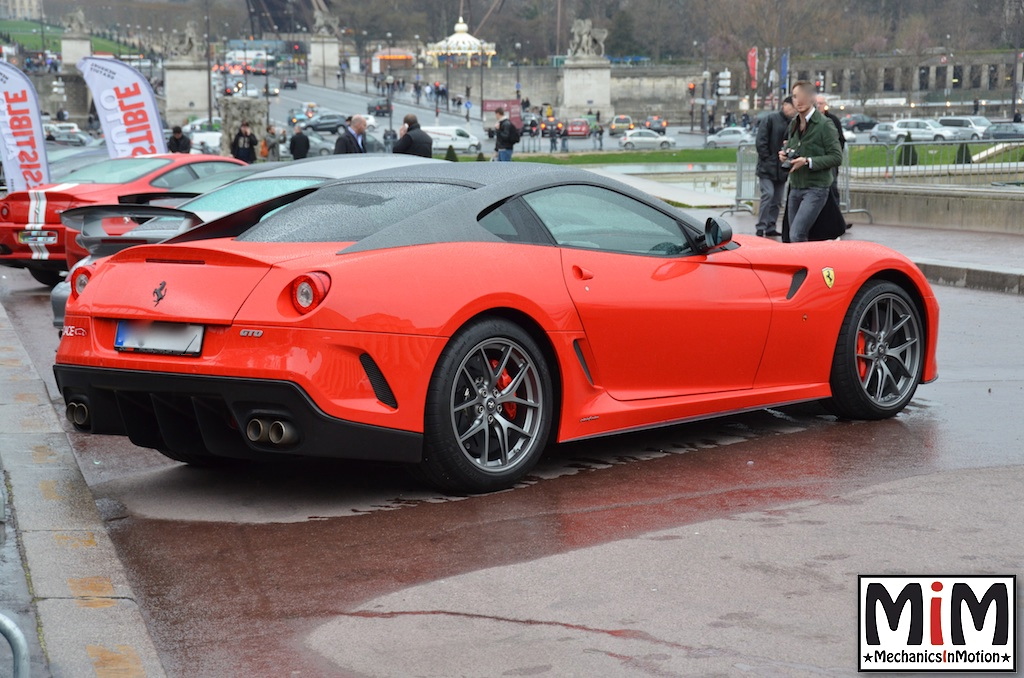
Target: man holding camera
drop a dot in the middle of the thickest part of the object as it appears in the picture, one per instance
(810, 154)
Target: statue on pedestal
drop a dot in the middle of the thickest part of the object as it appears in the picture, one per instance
(188, 42)
(587, 41)
(74, 23)
(324, 23)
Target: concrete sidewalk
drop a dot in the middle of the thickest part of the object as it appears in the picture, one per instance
(80, 616)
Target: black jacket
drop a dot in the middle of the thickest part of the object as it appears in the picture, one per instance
(298, 146)
(415, 142)
(771, 132)
(502, 137)
(244, 147)
(347, 143)
(176, 145)
(839, 128)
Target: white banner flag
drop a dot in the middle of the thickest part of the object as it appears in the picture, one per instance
(126, 107)
(22, 142)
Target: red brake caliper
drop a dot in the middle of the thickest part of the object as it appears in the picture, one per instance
(503, 381)
(862, 364)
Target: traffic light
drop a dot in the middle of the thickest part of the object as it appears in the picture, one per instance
(724, 83)
(693, 88)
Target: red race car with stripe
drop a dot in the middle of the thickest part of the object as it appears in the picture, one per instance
(461, 317)
(31, 234)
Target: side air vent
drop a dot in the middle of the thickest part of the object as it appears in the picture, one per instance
(380, 385)
(583, 361)
(798, 279)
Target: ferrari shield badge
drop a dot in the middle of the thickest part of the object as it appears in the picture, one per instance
(829, 275)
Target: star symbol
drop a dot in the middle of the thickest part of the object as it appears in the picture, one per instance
(1006, 657)
(867, 658)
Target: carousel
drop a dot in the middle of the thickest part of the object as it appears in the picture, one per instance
(461, 49)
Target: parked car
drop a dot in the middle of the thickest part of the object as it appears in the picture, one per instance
(1004, 131)
(620, 124)
(922, 129)
(453, 136)
(302, 336)
(972, 126)
(379, 107)
(318, 145)
(656, 123)
(849, 136)
(326, 122)
(203, 125)
(578, 127)
(76, 139)
(729, 137)
(289, 83)
(881, 133)
(858, 122)
(31, 234)
(371, 122)
(645, 138)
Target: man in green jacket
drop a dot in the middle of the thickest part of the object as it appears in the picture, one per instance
(816, 142)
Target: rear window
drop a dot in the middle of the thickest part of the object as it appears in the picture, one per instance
(116, 171)
(350, 212)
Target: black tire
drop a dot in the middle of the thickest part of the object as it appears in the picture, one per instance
(712, 144)
(938, 137)
(628, 146)
(863, 365)
(45, 277)
(459, 399)
(874, 140)
(473, 148)
(324, 151)
(664, 145)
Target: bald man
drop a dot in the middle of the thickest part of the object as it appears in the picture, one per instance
(353, 138)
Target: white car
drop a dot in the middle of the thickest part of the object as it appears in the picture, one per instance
(921, 129)
(203, 125)
(456, 137)
(850, 136)
(371, 121)
(730, 137)
(645, 138)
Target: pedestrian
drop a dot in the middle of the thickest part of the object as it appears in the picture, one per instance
(298, 145)
(600, 137)
(243, 146)
(771, 132)
(564, 134)
(271, 141)
(352, 138)
(505, 135)
(821, 103)
(1016, 116)
(178, 143)
(813, 140)
(412, 140)
(534, 132)
(553, 136)
(390, 137)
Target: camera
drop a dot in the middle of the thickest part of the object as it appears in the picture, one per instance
(791, 154)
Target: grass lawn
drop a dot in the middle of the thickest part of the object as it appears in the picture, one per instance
(687, 155)
(28, 34)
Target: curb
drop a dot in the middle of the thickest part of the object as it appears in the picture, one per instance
(975, 276)
(88, 621)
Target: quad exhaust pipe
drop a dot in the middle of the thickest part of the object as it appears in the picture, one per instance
(277, 432)
(78, 413)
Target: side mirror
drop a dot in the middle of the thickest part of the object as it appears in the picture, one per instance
(716, 234)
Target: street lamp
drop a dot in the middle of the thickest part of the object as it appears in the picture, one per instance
(391, 109)
(519, 83)
(390, 43)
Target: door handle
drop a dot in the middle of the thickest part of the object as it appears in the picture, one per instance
(581, 273)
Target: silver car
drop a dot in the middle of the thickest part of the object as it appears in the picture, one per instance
(921, 129)
(645, 138)
(730, 137)
(881, 133)
(969, 126)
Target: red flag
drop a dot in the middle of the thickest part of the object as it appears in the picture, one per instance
(752, 66)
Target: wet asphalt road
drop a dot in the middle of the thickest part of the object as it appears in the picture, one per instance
(235, 568)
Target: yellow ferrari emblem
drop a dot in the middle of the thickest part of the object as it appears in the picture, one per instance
(829, 275)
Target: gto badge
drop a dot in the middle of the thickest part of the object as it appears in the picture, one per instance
(159, 293)
(251, 333)
(829, 275)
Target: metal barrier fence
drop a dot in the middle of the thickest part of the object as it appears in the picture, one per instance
(747, 187)
(19, 646)
(939, 163)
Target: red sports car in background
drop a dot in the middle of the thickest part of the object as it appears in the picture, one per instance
(31, 234)
(461, 317)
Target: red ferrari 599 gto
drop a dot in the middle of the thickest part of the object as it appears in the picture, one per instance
(461, 318)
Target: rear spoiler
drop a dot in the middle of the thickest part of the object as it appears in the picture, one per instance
(235, 224)
(146, 198)
(91, 222)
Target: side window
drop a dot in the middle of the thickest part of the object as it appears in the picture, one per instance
(176, 177)
(205, 169)
(591, 217)
(462, 133)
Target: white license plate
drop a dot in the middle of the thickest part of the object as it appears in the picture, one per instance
(35, 237)
(159, 337)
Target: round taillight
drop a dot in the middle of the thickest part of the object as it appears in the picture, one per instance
(309, 290)
(79, 279)
(5, 211)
